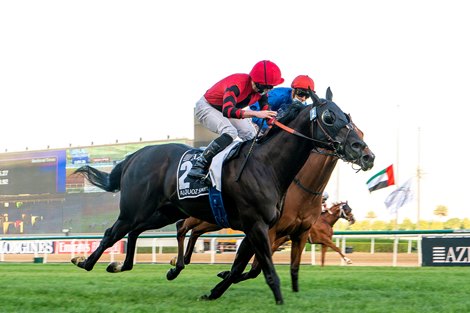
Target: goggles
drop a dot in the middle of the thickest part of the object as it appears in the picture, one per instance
(302, 93)
(263, 88)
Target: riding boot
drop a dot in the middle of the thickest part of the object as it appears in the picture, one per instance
(203, 161)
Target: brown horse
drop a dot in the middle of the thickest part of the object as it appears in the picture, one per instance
(302, 207)
(321, 231)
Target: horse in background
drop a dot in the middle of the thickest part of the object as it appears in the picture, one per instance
(148, 185)
(321, 231)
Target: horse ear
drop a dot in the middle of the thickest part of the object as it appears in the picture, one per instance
(315, 99)
(329, 94)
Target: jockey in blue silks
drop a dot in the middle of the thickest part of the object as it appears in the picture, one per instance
(281, 98)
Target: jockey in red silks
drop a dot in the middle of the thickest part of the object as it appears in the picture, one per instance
(221, 109)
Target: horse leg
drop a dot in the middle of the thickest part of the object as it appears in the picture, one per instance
(196, 232)
(179, 263)
(255, 269)
(244, 254)
(254, 272)
(128, 264)
(323, 253)
(111, 236)
(298, 244)
(259, 239)
(183, 226)
(335, 248)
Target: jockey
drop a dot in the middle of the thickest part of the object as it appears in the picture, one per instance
(281, 97)
(220, 109)
(324, 197)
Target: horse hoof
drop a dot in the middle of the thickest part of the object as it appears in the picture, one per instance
(204, 298)
(173, 261)
(78, 261)
(279, 302)
(172, 274)
(348, 261)
(223, 274)
(114, 267)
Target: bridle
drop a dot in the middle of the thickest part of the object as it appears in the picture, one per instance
(336, 147)
(342, 213)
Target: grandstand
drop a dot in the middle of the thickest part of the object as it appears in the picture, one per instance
(38, 194)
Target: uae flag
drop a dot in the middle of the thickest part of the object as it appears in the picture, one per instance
(382, 179)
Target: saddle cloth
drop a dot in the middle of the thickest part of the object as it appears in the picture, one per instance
(193, 188)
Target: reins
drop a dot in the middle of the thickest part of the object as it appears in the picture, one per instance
(294, 132)
(331, 142)
(246, 158)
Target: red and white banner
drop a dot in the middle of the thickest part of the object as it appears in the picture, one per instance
(85, 246)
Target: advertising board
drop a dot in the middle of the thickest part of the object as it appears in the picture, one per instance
(446, 251)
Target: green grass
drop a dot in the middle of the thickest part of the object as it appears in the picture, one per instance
(65, 288)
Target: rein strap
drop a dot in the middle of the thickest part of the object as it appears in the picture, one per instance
(288, 129)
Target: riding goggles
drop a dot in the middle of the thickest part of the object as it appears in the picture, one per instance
(302, 93)
(263, 88)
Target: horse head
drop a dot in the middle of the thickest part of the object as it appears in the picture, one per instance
(345, 212)
(335, 131)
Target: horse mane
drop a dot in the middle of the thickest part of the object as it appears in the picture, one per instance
(335, 204)
(292, 111)
(285, 118)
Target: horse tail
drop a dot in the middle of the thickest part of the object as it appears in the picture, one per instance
(107, 181)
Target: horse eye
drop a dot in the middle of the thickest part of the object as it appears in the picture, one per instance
(328, 118)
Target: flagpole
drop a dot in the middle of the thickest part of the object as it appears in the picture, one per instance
(418, 180)
(397, 160)
(337, 183)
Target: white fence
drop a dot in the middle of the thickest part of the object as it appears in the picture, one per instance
(61, 248)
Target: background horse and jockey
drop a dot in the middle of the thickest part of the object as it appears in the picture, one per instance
(321, 232)
(147, 182)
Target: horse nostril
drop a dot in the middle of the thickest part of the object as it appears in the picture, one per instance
(368, 159)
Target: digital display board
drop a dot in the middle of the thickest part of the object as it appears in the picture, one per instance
(33, 173)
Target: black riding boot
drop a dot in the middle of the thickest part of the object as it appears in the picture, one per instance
(201, 166)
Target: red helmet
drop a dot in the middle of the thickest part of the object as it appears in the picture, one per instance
(266, 73)
(303, 82)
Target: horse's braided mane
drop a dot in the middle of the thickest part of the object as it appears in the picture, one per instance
(292, 111)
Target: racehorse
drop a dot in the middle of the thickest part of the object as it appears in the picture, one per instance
(301, 209)
(148, 185)
(321, 231)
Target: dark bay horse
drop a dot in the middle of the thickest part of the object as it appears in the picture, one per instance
(302, 207)
(321, 231)
(147, 182)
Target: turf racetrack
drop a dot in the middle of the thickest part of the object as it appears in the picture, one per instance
(66, 288)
